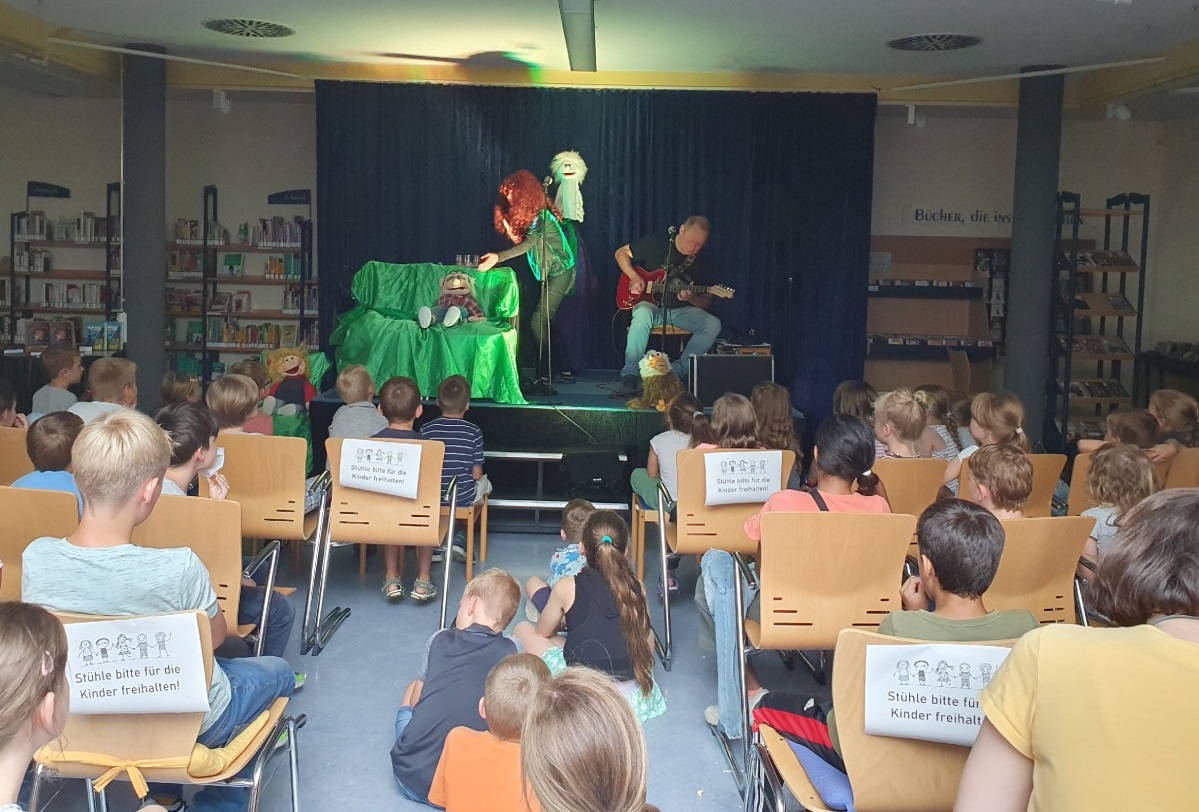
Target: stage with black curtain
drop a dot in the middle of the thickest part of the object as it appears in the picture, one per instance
(409, 173)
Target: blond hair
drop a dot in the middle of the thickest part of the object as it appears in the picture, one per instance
(1121, 476)
(499, 593)
(1006, 472)
(33, 663)
(114, 455)
(180, 387)
(108, 377)
(939, 405)
(510, 692)
(1178, 413)
(583, 749)
(354, 384)
(1003, 416)
(901, 410)
(232, 400)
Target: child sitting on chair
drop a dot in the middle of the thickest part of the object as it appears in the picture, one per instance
(64, 367)
(1000, 480)
(48, 442)
(399, 402)
(255, 370)
(1121, 477)
(9, 416)
(463, 450)
(960, 545)
(119, 461)
(180, 387)
(899, 423)
(357, 417)
(233, 401)
(565, 562)
(446, 695)
(481, 770)
(113, 384)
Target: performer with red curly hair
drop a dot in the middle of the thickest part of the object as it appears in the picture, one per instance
(525, 214)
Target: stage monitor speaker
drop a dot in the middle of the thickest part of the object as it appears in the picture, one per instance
(713, 375)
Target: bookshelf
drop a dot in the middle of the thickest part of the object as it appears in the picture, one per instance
(929, 295)
(1098, 298)
(240, 294)
(61, 271)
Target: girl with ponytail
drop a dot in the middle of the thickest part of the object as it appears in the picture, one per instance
(605, 611)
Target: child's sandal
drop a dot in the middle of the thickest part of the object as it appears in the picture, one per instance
(393, 588)
(423, 590)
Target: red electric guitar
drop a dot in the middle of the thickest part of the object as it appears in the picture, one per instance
(656, 285)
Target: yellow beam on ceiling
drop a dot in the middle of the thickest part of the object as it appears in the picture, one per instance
(1102, 87)
(28, 33)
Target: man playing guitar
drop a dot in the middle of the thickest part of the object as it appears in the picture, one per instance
(676, 252)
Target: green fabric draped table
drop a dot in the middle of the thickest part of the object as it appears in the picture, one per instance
(382, 334)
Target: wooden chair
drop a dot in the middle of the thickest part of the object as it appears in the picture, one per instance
(1184, 470)
(14, 459)
(665, 331)
(912, 485)
(469, 515)
(1046, 471)
(1036, 570)
(640, 518)
(959, 366)
(887, 774)
(820, 573)
(212, 529)
(266, 476)
(364, 517)
(29, 515)
(132, 739)
(1080, 494)
(702, 527)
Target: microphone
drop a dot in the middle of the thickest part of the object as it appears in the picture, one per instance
(547, 181)
(672, 230)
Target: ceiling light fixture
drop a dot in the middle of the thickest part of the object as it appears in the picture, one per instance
(927, 43)
(1118, 111)
(578, 28)
(253, 29)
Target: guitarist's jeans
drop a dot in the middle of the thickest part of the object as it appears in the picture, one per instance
(703, 326)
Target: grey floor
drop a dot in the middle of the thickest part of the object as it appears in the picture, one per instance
(355, 686)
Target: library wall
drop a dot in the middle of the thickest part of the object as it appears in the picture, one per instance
(1174, 296)
(954, 177)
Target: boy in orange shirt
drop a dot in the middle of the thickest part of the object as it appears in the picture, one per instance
(481, 770)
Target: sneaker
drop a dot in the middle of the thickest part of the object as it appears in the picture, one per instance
(425, 317)
(168, 802)
(452, 317)
(438, 554)
(458, 553)
(564, 377)
(531, 613)
(301, 678)
(712, 712)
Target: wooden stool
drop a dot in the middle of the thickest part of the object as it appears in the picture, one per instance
(664, 331)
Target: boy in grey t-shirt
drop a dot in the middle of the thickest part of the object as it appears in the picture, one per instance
(359, 418)
(119, 461)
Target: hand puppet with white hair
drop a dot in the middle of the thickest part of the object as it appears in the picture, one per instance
(569, 170)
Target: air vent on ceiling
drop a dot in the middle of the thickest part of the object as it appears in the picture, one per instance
(934, 42)
(256, 29)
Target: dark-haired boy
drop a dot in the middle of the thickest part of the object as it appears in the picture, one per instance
(64, 368)
(399, 402)
(48, 443)
(463, 448)
(960, 544)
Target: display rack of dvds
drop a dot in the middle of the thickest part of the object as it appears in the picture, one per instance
(1095, 336)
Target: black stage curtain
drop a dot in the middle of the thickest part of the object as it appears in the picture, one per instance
(409, 172)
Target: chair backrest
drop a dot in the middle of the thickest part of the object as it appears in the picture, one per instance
(824, 572)
(1036, 570)
(889, 774)
(912, 485)
(1184, 470)
(266, 475)
(367, 517)
(212, 528)
(703, 527)
(1080, 493)
(140, 736)
(1046, 471)
(959, 367)
(29, 515)
(14, 459)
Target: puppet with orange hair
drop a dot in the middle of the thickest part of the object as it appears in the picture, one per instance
(526, 216)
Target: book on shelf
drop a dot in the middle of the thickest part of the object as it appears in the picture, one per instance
(103, 336)
(1099, 345)
(296, 295)
(74, 295)
(1092, 259)
(31, 260)
(282, 267)
(1097, 389)
(194, 335)
(277, 232)
(32, 225)
(191, 232)
(233, 265)
(288, 336)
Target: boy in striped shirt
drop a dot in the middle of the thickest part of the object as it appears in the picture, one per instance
(463, 448)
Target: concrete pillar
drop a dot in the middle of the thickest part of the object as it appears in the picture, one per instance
(1034, 234)
(143, 170)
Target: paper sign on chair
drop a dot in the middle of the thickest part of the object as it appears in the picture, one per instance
(136, 665)
(741, 477)
(928, 691)
(382, 467)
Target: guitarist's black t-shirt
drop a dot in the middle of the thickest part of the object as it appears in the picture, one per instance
(657, 250)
